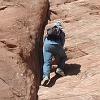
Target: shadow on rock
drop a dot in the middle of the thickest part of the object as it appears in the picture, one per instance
(53, 80)
(70, 69)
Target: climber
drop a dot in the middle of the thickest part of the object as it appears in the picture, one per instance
(53, 47)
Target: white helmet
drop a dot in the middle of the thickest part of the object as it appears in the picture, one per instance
(58, 24)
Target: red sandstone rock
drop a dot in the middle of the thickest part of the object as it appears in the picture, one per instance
(21, 29)
(81, 20)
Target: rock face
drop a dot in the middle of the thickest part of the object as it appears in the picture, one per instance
(21, 28)
(81, 20)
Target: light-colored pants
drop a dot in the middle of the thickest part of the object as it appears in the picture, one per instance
(50, 50)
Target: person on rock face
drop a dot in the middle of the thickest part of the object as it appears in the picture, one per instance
(53, 47)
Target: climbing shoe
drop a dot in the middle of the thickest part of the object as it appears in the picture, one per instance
(45, 81)
(59, 71)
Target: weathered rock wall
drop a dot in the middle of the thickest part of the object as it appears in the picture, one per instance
(21, 29)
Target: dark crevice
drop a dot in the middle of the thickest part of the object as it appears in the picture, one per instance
(35, 57)
(9, 45)
(3, 8)
(70, 1)
(3, 80)
(54, 12)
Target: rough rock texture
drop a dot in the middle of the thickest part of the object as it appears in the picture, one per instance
(21, 29)
(81, 20)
